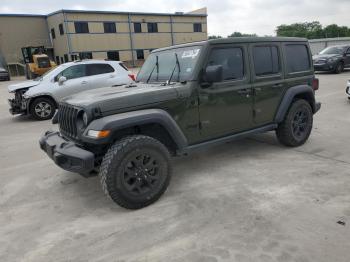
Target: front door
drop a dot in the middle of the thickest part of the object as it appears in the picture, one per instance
(76, 81)
(267, 81)
(347, 58)
(226, 107)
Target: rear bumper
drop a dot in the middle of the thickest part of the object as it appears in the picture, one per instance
(66, 154)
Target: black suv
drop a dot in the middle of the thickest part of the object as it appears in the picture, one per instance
(333, 58)
(187, 97)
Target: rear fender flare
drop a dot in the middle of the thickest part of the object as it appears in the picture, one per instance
(288, 98)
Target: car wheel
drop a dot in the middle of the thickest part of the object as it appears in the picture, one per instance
(135, 171)
(42, 108)
(339, 68)
(297, 125)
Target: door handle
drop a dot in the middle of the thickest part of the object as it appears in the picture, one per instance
(84, 82)
(277, 85)
(111, 76)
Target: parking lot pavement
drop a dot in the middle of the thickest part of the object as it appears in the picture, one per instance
(250, 200)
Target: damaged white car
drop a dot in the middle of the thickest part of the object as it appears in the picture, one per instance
(40, 97)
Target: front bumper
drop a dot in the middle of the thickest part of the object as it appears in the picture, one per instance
(4, 76)
(67, 154)
(324, 67)
(348, 90)
(15, 107)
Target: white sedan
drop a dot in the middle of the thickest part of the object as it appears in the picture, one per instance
(40, 97)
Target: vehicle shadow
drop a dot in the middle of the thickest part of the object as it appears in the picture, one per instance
(194, 164)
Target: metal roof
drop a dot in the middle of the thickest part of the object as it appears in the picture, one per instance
(123, 13)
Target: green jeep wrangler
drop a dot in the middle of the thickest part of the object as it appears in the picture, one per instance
(186, 97)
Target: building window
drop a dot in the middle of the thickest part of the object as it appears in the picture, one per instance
(81, 27)
(152, 27)
(85, 55)
(53, 33)
(66, 58)
(139, 54)
(74, 57)
(197, 27)
(266, 60)
(57, 60)
(62, 61)
(109, 27)
(60, 27)
(113, 55)
(137, 28)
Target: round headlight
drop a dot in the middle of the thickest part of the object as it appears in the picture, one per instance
(85, 119)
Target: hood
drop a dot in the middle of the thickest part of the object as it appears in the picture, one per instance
(114, 98)
(2, 69)
(326, 56)
(25, 84)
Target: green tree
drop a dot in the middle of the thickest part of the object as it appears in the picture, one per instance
(214, 37)
(239, 34)
(312, 30)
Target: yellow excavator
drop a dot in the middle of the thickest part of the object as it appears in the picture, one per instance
(36, 60)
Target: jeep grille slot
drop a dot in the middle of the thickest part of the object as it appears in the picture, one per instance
(67, 116)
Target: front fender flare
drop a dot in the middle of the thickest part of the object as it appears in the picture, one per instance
(288, 99)
(136, 118)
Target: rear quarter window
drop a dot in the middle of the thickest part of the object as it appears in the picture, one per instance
(98, 69)
(297, 58)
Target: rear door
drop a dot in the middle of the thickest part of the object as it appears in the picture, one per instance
(226, 107)
(267, 80)
(100, 75)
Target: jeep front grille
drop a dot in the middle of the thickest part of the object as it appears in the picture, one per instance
(67, 116)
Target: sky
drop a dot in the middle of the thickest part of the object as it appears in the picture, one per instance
(224, 16)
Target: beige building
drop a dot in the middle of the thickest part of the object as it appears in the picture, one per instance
(73, 34)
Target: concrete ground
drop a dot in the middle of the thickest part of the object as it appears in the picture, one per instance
(250, 200)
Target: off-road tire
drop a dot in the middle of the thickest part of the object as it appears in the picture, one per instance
(44, 101)
(339, 68)
(286, 133)
(115, 167)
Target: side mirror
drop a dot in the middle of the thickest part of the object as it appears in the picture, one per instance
(61, 80)
(213, 73)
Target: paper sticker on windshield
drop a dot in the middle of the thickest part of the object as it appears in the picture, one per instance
(190, 53)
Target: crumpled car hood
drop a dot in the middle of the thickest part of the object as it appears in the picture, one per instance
(25, 84)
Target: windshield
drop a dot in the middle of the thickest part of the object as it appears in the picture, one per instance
(333, 50)
(167, 63)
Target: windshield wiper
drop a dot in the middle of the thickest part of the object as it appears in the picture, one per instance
(172, 73)
(155, 66)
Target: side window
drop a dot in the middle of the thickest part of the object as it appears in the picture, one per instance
(81, 27)
(297, 58)
(98, 69)
(73, 72)
(231, 60)
(266, 60)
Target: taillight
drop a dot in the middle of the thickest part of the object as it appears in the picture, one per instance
(315, 83)
(132, 76)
